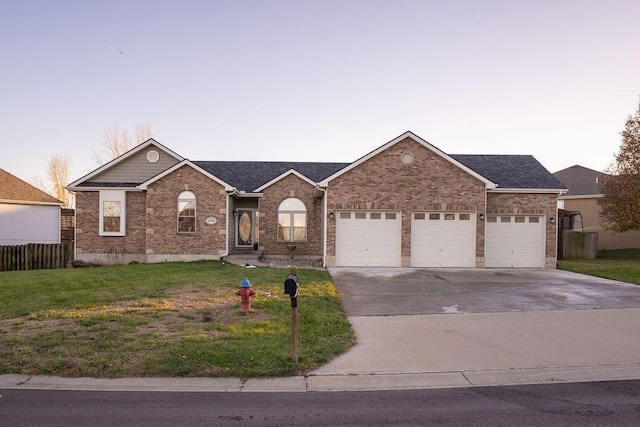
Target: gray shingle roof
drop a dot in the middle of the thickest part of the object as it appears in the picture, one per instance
(15, 189)
(248, 176)
(579, 180)
(511, 171)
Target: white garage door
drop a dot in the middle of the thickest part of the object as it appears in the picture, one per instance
(515, 241)
(443, 239)
(368, 239)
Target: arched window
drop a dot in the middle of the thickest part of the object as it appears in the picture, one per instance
(292, 221)
(186, 212)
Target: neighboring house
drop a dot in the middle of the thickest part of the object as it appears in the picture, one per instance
(404, 204)
(27, 214)
(584, 192)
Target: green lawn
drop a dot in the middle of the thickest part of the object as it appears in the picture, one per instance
(169, 319)
(622, 264)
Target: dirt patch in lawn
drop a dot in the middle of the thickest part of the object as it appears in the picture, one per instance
(65, 341)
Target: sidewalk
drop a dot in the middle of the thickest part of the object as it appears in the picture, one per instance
(320, 383)
(434, 351)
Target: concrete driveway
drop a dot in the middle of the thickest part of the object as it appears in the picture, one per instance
(457, 327)
(392, 292)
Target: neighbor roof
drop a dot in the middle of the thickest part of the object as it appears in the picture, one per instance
(511, 171)
(248, 176)
(580, 181)
(14, 189)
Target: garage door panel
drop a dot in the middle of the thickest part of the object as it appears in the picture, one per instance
(368, 239)
(518, 242)
(443, 239)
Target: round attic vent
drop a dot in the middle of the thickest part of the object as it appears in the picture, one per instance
(153, 156)
(406, 158)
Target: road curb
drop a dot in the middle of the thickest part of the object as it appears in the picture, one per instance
(323, 383)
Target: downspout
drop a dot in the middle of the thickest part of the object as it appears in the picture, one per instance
(75, 227)
(484, 229)
(324, 221)
(226, 224)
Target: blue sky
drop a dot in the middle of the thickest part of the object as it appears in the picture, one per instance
(317, 80)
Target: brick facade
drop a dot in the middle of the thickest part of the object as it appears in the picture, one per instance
(90, 246)
(162, 213)
(383, 182)
(533, 204)
(151, 223)
(290, 186)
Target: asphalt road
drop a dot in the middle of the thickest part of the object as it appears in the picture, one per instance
(410, 291)
(577, 404)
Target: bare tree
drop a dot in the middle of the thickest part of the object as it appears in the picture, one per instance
(56, 179)
(117, 142)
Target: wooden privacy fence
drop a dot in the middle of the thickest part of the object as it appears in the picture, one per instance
(577, 244)
(35, 256)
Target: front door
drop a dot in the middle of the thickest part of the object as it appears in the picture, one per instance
(244, 228)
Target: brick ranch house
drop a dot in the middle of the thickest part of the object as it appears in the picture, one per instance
(405, 204)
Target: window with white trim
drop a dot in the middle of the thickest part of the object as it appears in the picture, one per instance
(112, 213)
(292, 221)
(186, 212)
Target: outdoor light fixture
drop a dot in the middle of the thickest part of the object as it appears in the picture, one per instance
(481, 216)
(552, 220)
(331, 215)
(235, 214)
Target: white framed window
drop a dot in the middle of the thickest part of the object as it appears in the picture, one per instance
(292, 221)
(112, 219)
(186, 212)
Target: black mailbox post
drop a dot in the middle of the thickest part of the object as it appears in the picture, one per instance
(291, 285)
(291, 289)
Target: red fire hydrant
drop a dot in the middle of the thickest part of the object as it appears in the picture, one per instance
(246, 294)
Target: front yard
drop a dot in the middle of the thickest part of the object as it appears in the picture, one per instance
(170, 319)
(620, 264)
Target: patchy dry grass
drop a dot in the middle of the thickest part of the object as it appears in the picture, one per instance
(183, 329)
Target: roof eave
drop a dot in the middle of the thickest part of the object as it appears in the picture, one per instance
(582, 196)
(529, 190)
(80, 189)
(30, 202)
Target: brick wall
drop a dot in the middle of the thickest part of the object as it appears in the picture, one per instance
(383, 182)
(290, 186)
(162, 213)
(533, 204)
(110, 249)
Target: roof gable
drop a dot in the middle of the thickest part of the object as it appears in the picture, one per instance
(580, 181)
(144, 185)
(126, 170)
(287, 173)
(419, 140)
(13, 189)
